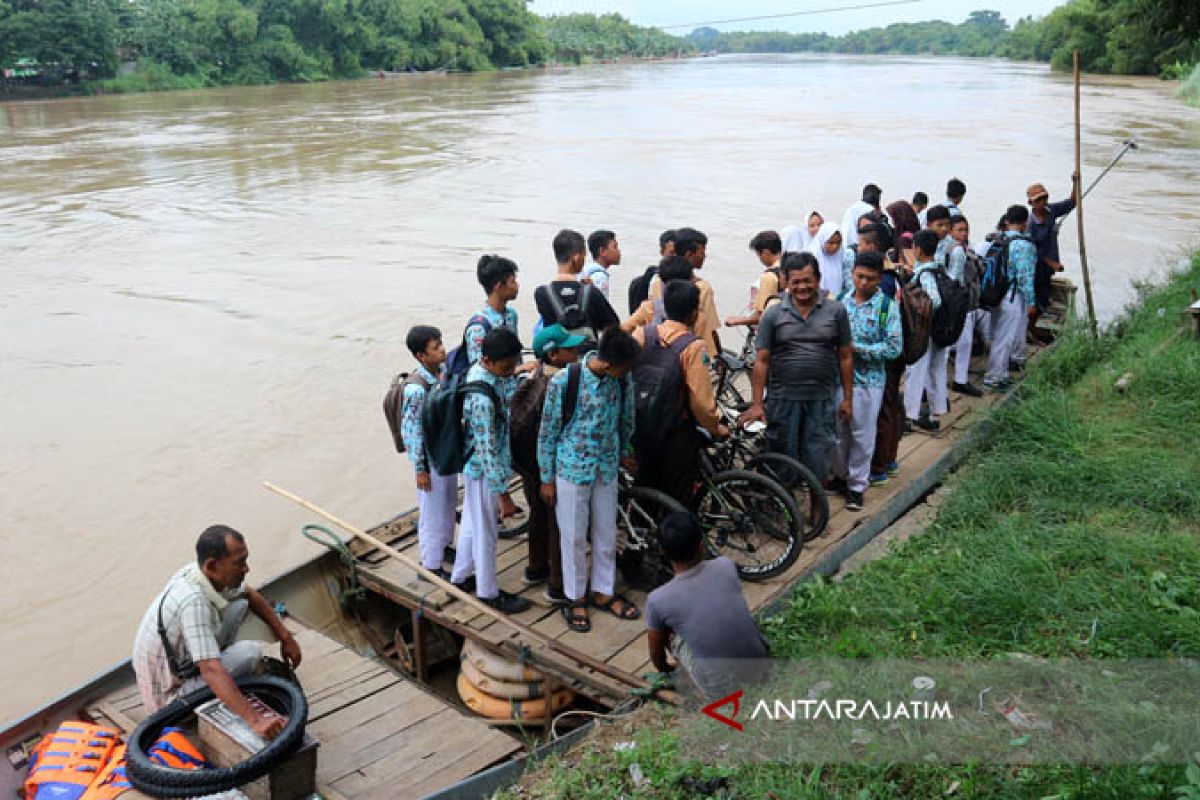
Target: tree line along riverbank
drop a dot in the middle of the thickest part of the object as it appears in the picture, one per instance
(1072, 532)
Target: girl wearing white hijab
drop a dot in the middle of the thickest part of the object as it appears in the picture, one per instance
(797, 238)
(827, 247)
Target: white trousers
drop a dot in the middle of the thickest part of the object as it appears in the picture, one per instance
(962, 349)
(927, 376)
(435, 525)
(580, 510)
(476, 553)
(1008, 322)
(856, 439)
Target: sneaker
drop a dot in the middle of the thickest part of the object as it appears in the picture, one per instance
(467, 586)
(534, 577)
(1015, 366)
(441, 573)
(879, 478)
(509, 533)
(854, 501)
(927, 424)
(997, 387)
(893, 467)
(835, 486)
(555, 596)
(967, 389)
(507, 603)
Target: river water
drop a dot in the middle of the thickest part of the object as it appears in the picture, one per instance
(206, 290)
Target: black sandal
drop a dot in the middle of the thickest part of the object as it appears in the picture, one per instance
(576, 623)
(628, 610)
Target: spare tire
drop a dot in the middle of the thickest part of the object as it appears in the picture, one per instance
(155, 780)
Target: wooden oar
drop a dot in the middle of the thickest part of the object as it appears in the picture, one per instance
(583, 659)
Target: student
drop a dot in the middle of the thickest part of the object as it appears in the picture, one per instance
(928, 375)
(486, 474)
(1043, 229)
(606, 253)
(956, 262)
(692, 245)
(769, 248)
(673, 268)
(905, 225)
(872, 195)
(670, 466)
(579, 460)
(804, 354)
(938, 221)
(588, 312)
(1010, 319)
(875, 327)
(555, 349)
(701, 616)
(498, 277)
(827, 249)
(956, 190)
(920, 203)
(797, 238)
(639, 287)
(871, 237)
(437, 495)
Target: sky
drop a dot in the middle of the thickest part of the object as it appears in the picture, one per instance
(661, 13)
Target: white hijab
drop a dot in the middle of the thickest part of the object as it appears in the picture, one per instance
(796, 238)
(831, 265)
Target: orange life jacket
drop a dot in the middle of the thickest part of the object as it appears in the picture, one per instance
(111, 782)
(173, 749)
(66, 762)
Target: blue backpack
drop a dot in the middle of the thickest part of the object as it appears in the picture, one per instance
(458, 362)
(997, 277)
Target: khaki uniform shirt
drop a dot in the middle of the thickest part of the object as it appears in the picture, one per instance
(701, 399)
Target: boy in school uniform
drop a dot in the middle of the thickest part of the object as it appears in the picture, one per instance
(769, 248)
(486, 474)
(579, 459)
(498, 277)
(876, 331)
(437, 495)
(928, 375)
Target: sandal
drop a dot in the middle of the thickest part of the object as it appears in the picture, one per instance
(627, 609)
(579, 624)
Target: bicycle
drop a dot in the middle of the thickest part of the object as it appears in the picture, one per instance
(640, 510)
(732, 372)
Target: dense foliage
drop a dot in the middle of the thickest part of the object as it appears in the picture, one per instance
(577, 37)
(1123, 36)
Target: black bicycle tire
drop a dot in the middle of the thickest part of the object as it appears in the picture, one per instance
(795, 538)
(158, 781)
(815, 522)
(661, 498)
(515, 490)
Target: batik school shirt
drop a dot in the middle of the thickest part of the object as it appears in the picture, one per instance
(877, 340)
(952, 257)
(599, 278)
(487, 430)
(1022, 262)
(923, 272)
(410, 418)
(475, 333)
(588, 449)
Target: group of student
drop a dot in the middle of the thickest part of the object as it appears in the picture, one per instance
(604, 395)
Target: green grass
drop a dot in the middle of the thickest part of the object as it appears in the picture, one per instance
(1083, 505)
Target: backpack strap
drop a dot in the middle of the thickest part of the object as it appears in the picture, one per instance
(486, 390)
(885, 308)
(476, 319)
(570, 398)
(556, 303)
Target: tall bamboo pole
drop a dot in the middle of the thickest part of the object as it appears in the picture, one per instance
(1083, 262)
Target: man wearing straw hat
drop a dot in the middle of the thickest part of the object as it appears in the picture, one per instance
(1044, 219)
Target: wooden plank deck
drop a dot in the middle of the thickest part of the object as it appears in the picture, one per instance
(622, 643)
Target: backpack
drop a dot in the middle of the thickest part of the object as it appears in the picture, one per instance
(916, 318)
(997, 278)
(573, 317)
(459, 361)
(951, 315)
(393, 405)
(525, 415)
(639, 288)
(658, 377)
(443, 426)
(972, 276)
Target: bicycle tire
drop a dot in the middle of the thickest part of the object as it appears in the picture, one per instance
(149, 778)
(744, 498)
(645, 507)
(805, 488)
(515, 526)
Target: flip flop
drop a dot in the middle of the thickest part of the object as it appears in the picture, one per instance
(575, 623)
(628, 609)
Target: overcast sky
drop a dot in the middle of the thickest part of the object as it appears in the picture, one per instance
(684, 12)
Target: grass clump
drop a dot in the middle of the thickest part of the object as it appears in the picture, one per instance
(1189, 91)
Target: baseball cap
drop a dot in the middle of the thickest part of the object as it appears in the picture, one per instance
(1035, 191)
(552, 337)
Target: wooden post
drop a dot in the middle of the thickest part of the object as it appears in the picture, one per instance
(1083, 262)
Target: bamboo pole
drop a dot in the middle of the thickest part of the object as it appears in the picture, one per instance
(1083, 262)
(583, 659)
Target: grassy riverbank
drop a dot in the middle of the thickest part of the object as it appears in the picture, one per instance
(1082, 509)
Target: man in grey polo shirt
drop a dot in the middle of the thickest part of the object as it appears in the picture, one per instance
(805, 354)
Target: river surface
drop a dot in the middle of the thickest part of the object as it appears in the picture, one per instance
(205, 290)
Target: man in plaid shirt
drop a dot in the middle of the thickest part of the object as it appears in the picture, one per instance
(193, 622)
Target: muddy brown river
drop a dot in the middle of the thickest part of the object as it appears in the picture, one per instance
(205, 290)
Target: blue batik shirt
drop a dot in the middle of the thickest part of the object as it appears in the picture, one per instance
(848, 257)
(487, 431)
(589, 448)
(410, 419)
(876, 340)
(952, 258)
(924, 273)
(1022, 261)
(475, 333)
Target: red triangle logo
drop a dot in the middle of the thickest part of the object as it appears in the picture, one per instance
(735, 700)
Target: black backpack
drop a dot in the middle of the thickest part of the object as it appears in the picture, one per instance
(997, 277)
(639, 288)
(458, 362)
(443, 426)
(973, 275)
(658, 377)
(393, 405)
(951, 315)
(572, 316)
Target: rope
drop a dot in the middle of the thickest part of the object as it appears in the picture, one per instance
(624, 709)
(321, 535)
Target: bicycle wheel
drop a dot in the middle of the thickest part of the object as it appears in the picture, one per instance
(640, 510)
(513, 527)
(805, 488)
(751, 520)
